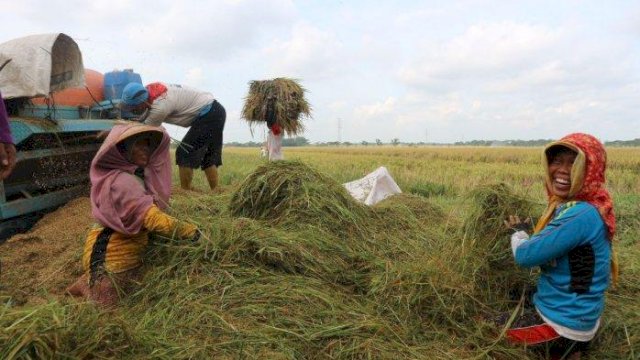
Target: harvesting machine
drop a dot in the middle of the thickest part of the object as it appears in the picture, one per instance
(55, 143)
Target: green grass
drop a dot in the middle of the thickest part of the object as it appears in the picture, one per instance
(323, 277)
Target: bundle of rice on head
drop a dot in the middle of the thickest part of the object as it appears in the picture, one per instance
(279, 101)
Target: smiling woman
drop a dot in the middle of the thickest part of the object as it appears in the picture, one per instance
(572, 245)
(561, 161)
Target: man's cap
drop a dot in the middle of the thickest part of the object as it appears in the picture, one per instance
(134, 94)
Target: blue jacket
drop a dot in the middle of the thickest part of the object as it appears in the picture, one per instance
(573, 253)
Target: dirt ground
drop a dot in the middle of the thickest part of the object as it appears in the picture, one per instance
(41, 263)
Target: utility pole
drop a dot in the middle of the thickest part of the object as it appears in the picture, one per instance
(340, 130)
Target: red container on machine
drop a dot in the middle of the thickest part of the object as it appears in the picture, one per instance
(89, 96)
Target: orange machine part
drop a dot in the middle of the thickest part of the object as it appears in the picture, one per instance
(78, 96)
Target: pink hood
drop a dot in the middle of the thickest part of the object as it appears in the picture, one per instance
(119, 199)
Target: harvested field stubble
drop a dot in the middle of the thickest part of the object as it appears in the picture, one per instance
(46, 257)
(292, 267)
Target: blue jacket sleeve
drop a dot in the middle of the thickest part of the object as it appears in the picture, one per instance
(567, 230)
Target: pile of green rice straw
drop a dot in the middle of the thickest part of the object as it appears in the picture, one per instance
(291, 267)
(285, 95)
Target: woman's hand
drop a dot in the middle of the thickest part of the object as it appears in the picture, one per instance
(514, 223)
(7, 159)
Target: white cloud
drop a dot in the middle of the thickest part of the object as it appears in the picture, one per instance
(377, 110)
(209, 30)
(110, 9)
(459, 69)
(547, 74)
(338, 105)
(194, 77)
(481, 52)
(310, 53)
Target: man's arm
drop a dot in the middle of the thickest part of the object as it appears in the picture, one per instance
(156, 114)
(7, 149)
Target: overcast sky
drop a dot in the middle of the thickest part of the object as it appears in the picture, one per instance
(436, 71)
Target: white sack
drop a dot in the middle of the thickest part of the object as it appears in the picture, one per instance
(40, 64)
(374, 187)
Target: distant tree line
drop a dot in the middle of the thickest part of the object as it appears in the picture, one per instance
(294, 141)
(245, 144)
(302, 141)
(538, 142)
(634, 142)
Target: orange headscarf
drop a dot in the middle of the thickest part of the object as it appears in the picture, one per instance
(155, 91)
(587, 184)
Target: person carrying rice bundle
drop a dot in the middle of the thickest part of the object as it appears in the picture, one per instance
(187, 107)
(274, 140)
(572, 245)
(281, 104)
(130, 188)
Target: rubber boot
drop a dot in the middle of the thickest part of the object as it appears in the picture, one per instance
(186, 175)
(212, 176)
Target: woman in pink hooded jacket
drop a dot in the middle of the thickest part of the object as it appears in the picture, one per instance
(130, 187)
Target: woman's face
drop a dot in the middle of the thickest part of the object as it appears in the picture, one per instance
(141, 152)
(560, 171)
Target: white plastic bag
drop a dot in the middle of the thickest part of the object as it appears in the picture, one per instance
(274, 144)
(374, 187)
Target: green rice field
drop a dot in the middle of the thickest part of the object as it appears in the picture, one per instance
(290, 267)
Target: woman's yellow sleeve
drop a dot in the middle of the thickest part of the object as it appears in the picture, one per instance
(159, 222)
